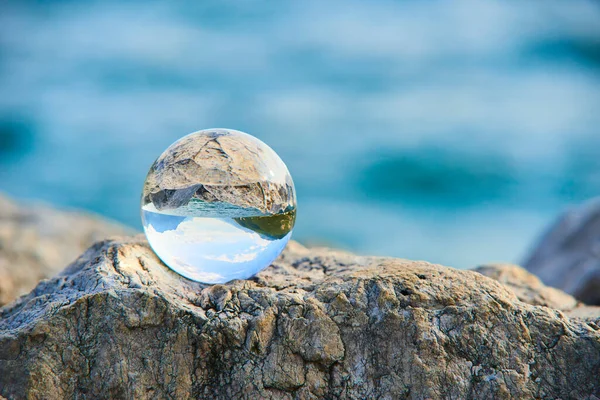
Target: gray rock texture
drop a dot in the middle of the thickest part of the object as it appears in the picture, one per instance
(37, 241)
(317, 324)
(567, 256)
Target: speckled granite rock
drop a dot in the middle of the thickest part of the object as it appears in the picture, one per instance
(568, 255)
(37, 241)
(316, 324)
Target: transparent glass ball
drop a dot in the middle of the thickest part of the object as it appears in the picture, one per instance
(218, 205)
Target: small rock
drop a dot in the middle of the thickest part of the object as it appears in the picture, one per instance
(528, 287)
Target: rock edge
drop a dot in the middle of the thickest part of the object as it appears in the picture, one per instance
(316, 324)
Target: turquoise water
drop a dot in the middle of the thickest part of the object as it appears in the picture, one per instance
(199, 208)
(212, 248)
(451, 132)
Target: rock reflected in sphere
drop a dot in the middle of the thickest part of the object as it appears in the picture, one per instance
(218, 205)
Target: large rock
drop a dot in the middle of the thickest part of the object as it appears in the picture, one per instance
(316, 324)
(37, 241)
(568, 255)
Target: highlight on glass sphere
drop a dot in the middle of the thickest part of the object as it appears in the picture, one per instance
(218, 205)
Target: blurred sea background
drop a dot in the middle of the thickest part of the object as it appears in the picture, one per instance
(447, 131)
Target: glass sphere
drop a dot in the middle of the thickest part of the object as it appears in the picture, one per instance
(218, 205)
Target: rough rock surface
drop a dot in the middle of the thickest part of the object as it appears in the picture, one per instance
(316, 324)
(37, 241)
(220, 165)
(528, 287)
(568, 255)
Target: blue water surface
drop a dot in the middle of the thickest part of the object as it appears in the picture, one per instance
(446, 131)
